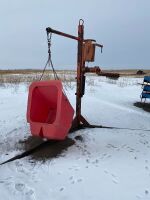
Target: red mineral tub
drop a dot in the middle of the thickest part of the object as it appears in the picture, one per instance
(49, 112)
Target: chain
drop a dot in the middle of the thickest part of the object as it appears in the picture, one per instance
(49, 37)
(49, 61)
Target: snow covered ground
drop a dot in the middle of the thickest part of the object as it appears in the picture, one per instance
(107, 164)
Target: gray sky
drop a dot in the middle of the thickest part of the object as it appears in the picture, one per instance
(122, 26)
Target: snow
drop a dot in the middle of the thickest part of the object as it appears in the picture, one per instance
(107, 164)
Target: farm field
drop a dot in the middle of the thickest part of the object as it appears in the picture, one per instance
(92, 163)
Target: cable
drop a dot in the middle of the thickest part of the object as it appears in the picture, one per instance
(113, 127)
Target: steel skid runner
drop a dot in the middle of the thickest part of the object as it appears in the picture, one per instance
(46, 100)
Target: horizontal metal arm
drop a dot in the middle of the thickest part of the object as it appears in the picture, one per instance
(110, 75)
(99, 45)
(99, 72)
(50, 30)
(95, 69)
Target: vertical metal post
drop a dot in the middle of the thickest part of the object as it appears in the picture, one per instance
(80, 64)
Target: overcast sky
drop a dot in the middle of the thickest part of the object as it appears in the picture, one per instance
(122, 26)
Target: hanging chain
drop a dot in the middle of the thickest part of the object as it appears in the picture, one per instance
(49, 61)
(49, 37)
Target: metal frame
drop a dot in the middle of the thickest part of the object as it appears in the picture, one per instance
(79, 121)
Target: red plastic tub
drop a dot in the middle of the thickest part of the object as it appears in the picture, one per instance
(49, 112)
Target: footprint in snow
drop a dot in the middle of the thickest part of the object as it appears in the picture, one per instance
(27, 192)
(75, 168)
(21, 169)
(115, 181)
(146, 167)
(114, 177)
(146, 195)
(71, 177)
(79, 180)
(2, 181)
(105, 156)
(73, 181)
(30, 195)
(19, 187)
(95, 161)
(146, 192)
(61, 189)
(105, 171)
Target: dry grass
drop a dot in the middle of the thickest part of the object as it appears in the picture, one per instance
(26, 76)
(31, 71)
(13, 78)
